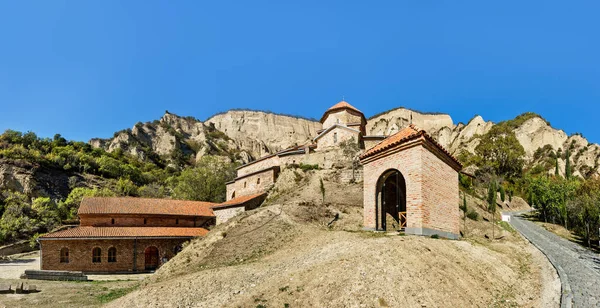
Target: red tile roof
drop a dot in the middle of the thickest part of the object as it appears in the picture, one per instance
(404, 135)
(102, 232)
(340, 106)
(144, 206)
(239, 200)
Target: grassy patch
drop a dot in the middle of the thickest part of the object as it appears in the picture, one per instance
(506, 226)
(114, 294)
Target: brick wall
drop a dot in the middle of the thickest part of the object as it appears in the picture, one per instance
(440, 194)
(80, 254)
(408, 162)
(431, 189)
(138, 220)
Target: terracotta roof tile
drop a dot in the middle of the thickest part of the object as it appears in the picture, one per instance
(239, 200)
(339, 106)
(100, 232)
(343, 105)
(130, 205)
(404, 135)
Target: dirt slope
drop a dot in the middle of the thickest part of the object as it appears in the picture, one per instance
(284, 254)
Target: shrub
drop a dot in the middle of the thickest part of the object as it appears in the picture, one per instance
(472, 215)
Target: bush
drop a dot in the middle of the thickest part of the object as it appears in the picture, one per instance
(472, 215)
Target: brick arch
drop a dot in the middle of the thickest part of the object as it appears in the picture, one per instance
(390, 201)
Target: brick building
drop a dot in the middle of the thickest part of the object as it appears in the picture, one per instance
(125, 234)
(411, 183)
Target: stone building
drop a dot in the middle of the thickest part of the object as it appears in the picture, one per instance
(411, 184)
(125, 234)
(342, 123)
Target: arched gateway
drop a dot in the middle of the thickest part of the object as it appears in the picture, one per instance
(391, 201)
(411, 184)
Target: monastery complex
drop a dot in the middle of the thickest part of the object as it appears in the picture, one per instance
(410, 184)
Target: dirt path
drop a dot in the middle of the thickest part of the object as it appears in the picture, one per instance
(578, 268)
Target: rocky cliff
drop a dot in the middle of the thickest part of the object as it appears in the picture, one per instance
(241, 135)
(261, 133)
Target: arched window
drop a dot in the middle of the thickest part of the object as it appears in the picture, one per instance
(96, 255)
(64, 255)
(258, 181)
(112, 221)
(112, 254)
(334, 137)
(233, 195)
(244, 184)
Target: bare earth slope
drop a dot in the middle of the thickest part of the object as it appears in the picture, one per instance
(284, 254)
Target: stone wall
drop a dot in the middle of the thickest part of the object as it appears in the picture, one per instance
(253, 184)
(259, 165)
(230, 191)
(80, 254)
(225, 214)
(342, 117)
(334, 137)
(348, 176)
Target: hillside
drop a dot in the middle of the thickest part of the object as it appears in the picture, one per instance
(283, 254)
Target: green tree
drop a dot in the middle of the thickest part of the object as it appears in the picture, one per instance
(205, 182)
(491, 200)
(465, 209)
(501, 150)
(502, 193)
(68, 208)
(126, 187)
(568, 164)
(322, 189)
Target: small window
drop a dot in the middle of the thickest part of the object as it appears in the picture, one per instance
(145, 221)
(64, 255)
(177, 221)
(112, 221)
(258, 181)
(96, 255)
(244, 184)
(233, 195)
(112, 254)
(334, 137)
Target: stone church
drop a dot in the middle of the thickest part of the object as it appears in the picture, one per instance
(410, 181)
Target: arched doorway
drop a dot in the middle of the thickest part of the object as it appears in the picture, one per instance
(151, 258)
(391, 201)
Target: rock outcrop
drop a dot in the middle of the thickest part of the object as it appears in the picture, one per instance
(261, 133)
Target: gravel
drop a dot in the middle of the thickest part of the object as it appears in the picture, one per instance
(578, 268)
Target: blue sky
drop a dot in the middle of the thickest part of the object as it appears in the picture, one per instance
(89, 68)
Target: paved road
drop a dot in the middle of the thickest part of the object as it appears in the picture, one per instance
(578, 268)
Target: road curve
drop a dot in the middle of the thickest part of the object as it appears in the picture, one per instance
(578, 268)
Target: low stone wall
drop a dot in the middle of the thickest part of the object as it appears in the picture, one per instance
(348, 176)
(54, 275)
(15, 248)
